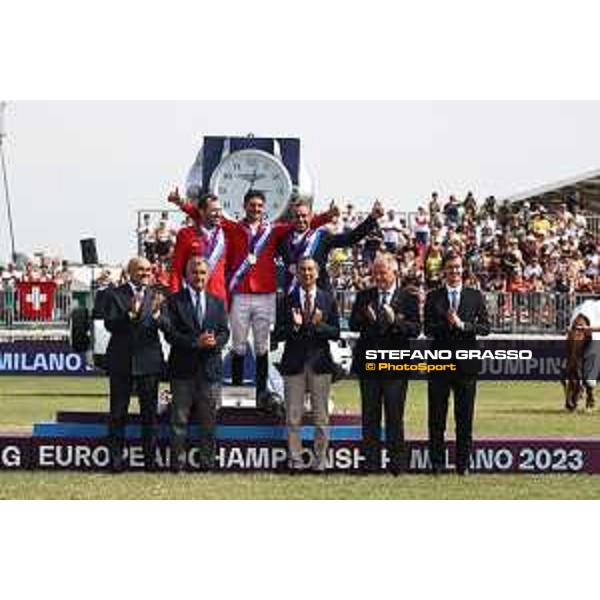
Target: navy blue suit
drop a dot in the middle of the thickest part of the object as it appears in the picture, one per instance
(308, 343)
(182, 331)
(134, 356)
(383, 395)
(196, 373)
(473, 313)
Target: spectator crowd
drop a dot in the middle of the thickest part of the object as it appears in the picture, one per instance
(41, 268)
(156, 241)
(512, 248)
(506, 247)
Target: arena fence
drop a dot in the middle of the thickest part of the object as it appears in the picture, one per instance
(35, 306)
(535, 312)
(593, 224)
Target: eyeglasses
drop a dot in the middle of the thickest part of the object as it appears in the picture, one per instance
(454, 268)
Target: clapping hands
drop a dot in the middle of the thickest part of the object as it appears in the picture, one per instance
(207, 340)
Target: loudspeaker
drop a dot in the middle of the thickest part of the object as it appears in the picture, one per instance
(89, 255)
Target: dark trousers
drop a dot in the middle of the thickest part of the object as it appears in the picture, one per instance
(387, 397)
(198, 399)
(438, 393)
(120, 394)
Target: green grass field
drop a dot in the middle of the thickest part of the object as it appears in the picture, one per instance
(503, 409)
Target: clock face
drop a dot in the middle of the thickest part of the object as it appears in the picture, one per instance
(246, 170)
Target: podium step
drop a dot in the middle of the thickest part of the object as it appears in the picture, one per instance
(223, 432)
(225, 416)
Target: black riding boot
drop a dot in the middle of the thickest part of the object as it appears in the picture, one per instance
(237, 369)
(262, 371)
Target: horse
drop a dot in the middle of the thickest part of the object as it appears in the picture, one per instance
(573, 380)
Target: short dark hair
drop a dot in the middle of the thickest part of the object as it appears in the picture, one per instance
(451, 256)
(253, 194)
(205, 199)
(304, 259)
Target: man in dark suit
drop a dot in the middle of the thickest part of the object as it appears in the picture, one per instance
(134, 356)
(196, 327)
(454, 316)
(386, 317)
(307, 322)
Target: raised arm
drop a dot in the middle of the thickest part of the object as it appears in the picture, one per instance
(184, 205)
(345, 239)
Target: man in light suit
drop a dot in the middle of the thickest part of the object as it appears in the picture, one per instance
(132, 313)
(196, 327)
(386, 317)
(454, 316)
(307, 322)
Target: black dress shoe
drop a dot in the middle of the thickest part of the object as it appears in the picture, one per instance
(396, 471)
(368, 470)
(117, 465)
(206, 466)
(176, 468)
(463, 472)
(436, 471)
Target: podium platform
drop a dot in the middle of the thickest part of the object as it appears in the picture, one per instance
(249, 440)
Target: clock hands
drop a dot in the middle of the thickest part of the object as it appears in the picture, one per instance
(251, 178)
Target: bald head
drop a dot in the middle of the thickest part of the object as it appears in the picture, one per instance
(139, 270)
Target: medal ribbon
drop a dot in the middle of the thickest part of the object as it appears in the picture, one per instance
(257, 244)
(215, 246)
(303, 249)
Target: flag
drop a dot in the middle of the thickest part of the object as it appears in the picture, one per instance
(36, 300)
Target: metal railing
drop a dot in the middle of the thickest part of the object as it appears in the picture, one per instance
(533, 312)
(593, 224)
(14, 312)
(525, 313)
(530, 313)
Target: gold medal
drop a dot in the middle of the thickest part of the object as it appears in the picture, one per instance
(252, 259)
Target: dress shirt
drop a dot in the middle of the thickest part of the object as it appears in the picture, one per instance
(385, 294)
(195, 295)
(454, 290)
(312, 293)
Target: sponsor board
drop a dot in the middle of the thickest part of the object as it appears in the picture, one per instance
(489, 456)
(42, 358)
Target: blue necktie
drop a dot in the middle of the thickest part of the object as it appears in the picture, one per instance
(454, 299)
(199, 314)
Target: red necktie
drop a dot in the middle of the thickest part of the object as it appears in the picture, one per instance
(307, 307)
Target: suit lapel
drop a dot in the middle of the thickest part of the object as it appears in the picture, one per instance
(125, 295)
(318, 303)
(396, 301)
(444, 304)
(209, 313)
(147, 302)
(373, 299)
(187, 309)
(462, 303)
(296, 303)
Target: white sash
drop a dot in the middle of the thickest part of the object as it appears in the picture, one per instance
(217, 250)
(313, 240)
(247, 263)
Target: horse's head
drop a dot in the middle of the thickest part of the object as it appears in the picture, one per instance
(576, 334)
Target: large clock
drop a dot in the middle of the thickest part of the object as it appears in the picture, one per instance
(251, 169)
